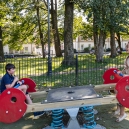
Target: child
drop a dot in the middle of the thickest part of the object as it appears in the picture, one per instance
(9, 80)
(120, 109)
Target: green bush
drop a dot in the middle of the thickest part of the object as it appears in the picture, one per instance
(92, 48)
(86, 49)
(75, 50)
(108, 49)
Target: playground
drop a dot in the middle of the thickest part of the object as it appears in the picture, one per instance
(73, 89)
(104, 115)
(78, 103)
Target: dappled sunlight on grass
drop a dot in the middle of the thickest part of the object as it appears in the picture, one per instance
(104, 114)
(27, 126)
(89, 71)
(111, 66)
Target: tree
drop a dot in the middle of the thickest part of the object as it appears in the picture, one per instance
(112, 29)
(95, 11)
(16, 29)
(55, 28)
(24, 21)
(39, 25)
(3, 11)
(98, 29)
(68, 34)
(87, 30)
(122, 22)
(107, 16)
(118, 38)
(32, 16)
(118, 22)
(77, 26)
(1, 46)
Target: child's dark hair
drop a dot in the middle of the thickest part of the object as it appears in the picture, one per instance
(9, 66)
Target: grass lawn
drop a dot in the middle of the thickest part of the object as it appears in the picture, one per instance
(89, 72)
(105, 116)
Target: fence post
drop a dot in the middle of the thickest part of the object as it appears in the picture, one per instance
(76, 71)
(19, 70)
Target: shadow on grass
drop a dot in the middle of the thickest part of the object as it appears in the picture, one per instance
(86, 62)
(104, 114)
(89, 72)
(68, 79)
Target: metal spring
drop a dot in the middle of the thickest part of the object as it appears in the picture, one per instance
(57, 119)
(88, 114)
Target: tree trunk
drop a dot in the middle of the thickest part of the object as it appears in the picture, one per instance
(1, 47)
(43, 50)
(98, 42)
(55, 29)
(40, 31)
(104, 37)
(68, 34)
(99, 53)
(119, 41)
(112, 32)
(95, 32)
(112, 44)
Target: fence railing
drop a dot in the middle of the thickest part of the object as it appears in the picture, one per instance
(85, 71)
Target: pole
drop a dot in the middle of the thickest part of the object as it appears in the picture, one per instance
(49, 56)
(19, 69)
(76, 71)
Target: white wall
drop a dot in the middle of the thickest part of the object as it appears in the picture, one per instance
(6, 49)
(27, 48)
(77, 44)
(80, 45)
(52, 49)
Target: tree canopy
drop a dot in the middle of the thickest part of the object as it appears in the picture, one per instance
(26, 22)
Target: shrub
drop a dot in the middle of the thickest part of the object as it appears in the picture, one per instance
(86, 49)
(92, 48)
(108, 49)
(75, 50)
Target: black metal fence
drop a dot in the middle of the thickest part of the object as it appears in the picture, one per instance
(85, 71)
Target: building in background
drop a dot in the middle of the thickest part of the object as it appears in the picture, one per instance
(79, 44)
(27, 49)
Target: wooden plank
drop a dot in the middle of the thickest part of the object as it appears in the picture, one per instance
(104, 87)
(101, 87)
(69, 104)
(39, 94)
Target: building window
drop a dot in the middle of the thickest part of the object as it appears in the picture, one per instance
(89, 46)
(88, 39)
(26, 49)
(16, 51)
(82, 47)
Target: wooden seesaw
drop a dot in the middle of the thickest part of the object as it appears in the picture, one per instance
(11, 111)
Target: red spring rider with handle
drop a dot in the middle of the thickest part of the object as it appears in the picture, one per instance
(10, 110)
(110, 76)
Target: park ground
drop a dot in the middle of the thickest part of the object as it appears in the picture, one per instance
(105, 111)
(104, 114)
